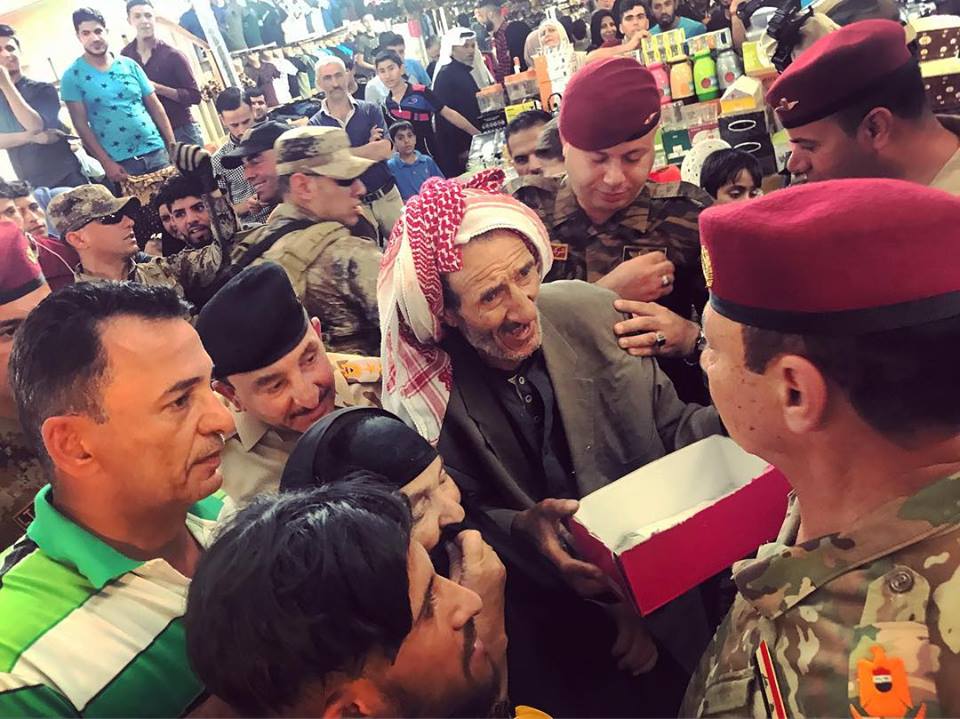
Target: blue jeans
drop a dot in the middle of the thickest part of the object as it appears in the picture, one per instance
(145, 164)
(189, 133)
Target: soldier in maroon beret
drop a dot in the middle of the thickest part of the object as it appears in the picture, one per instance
(854, 105)
(608, 224)
(832, 333)
(21, 288)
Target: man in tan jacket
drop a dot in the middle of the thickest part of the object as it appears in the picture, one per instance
(311, 234)
(270, 366)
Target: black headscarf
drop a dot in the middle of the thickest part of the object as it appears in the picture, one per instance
(357, 438)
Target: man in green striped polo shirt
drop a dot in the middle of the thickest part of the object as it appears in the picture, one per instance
(113, 390)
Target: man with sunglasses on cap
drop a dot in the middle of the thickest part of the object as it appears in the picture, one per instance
(99, 227)
(311, 236)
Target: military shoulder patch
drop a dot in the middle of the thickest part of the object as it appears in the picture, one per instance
(884, 689)
(560, 250)
(359, 371)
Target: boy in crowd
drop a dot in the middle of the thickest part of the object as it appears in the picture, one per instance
(409, 166)
(731, 176)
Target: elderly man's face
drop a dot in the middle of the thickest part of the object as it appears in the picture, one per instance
(497, 290)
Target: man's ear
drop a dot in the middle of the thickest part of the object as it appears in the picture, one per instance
(341, 697)
(75, 239)
(228, 392)
(876, 129)
(65, 441)
(803, 393)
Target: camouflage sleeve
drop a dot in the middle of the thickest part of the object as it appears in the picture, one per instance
(355, 268)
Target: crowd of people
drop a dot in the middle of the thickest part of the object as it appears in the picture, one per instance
(315, 450)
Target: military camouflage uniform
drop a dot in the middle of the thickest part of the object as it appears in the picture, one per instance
(333, 273)
(185, 270)
(663, 217)
(861, 623)
(21, 477)
(255, 454)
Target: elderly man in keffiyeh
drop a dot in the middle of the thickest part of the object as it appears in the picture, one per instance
(532, 404)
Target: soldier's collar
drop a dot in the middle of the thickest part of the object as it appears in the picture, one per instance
(785, 573)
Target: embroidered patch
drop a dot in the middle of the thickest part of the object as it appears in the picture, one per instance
(360, 371)
(560, 251)
(884, 690)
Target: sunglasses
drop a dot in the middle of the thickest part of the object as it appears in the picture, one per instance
(113, 218)
(342, 183)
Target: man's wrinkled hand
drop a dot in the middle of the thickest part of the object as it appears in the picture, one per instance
(542, 524)
(645, 278)
(639, 335)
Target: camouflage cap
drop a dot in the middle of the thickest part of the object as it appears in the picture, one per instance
(73, 209)
(319, 150)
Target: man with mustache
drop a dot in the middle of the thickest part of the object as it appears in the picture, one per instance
(114, 106)
(531, 401)
(129, 435)
(854, 105)
(366, 627)
(270, 365)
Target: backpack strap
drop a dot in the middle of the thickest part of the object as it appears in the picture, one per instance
(255, 251)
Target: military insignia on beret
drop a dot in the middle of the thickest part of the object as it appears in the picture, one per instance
(707, 267)
(560, 251)
(786, 105)
(884, 689)
(32, 254)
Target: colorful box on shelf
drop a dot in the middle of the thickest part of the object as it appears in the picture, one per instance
(744, 95)
(663, 529)
(938, 36)
(941, 80)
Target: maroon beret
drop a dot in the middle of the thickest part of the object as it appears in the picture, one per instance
(840, 257)
(837, 70)
(607, 103)
(19, 269)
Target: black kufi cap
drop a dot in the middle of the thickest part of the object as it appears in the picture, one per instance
(357, 438)
(252, 321)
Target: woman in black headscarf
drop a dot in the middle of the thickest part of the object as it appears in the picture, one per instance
(367, 438)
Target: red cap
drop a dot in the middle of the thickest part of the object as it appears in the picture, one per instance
(19, 269)
(607, 103)
(837, 70)
(842, 257)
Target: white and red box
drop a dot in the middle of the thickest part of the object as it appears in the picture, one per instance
(668, 526)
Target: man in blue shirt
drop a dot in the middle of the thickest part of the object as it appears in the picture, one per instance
(410, 168)
(665, 12)
(364, 124)
(114, 106)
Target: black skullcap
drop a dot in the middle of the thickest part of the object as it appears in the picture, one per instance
(252, 321)
(357, 438)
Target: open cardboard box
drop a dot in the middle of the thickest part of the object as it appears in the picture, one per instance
(663, 529)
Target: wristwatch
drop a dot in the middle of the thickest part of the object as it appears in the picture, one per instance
(698, 347)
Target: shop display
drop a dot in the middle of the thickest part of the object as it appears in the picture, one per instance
(938, 43)
(704, 70)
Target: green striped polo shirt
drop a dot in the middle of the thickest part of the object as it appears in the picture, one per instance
(87, 631)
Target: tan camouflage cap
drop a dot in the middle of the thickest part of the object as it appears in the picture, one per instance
(75, 208)
(318, 150)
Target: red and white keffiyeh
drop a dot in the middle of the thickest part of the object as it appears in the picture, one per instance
(424, 244)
